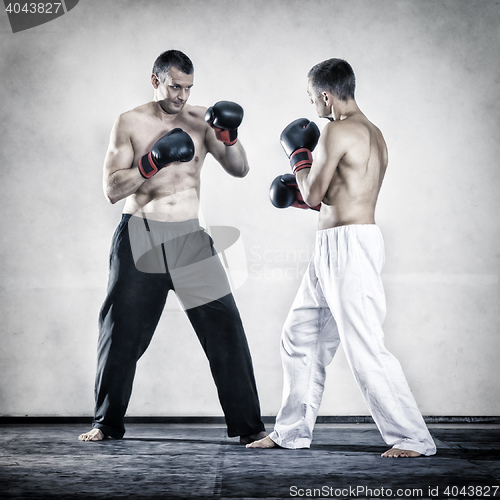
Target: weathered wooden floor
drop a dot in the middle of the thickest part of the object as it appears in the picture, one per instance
(200, 462)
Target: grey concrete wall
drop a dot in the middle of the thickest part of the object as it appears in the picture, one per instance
(427, 74)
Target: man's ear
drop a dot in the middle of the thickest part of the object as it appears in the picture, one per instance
(155, 81)
(327, 98)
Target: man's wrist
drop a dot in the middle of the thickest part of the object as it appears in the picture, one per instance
(301, 158)
(227, 137)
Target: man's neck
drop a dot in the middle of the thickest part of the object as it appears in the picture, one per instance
(163, 114)
(346, 109)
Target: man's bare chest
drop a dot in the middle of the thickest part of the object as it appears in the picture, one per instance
(148, 131)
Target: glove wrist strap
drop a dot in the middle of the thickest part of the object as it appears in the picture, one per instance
(228, 137)
(147, 167)
(301, 158)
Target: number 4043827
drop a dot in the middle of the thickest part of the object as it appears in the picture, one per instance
(34, 7)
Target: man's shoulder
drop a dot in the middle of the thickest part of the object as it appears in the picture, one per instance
(195, 111)
(144, 110)
(352, 128)
(338, 130)
(194, 117)
(130, 115)
(129, 120)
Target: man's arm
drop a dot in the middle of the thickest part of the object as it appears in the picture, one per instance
(119, 179)
(221, 138)
(233, 159)
(314, 182)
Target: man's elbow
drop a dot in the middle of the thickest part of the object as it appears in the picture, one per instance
(110, 195)
(237, 170)
(111, 200)
(244, 171)
(312, 199)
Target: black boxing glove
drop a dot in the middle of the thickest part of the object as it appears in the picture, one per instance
(225, 117)
(298, 140)
(285, 193)
(172, 147)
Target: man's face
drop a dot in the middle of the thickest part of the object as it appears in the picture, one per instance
(174, 92)
(318, 101)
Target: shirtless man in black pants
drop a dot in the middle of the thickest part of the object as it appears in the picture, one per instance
(154, 161)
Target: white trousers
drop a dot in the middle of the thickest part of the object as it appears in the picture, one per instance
(342, 298)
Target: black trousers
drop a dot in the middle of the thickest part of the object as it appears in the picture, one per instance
(170, 256)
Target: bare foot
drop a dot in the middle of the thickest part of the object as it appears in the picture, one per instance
(250, 438)
(397, 453)
(93, 435)
(264, 443)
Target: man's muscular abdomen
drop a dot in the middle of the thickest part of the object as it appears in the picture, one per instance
(171, 195)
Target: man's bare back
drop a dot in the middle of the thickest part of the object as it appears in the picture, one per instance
(355, 185)
(347, 172)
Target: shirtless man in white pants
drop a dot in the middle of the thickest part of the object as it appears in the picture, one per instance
(341, 297)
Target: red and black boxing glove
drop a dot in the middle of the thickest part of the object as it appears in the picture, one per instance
(285, 193)
(177, 145)
(225, 117)
(299, 140)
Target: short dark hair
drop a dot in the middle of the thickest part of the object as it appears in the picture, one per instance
(170, 58)
(334, 75)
